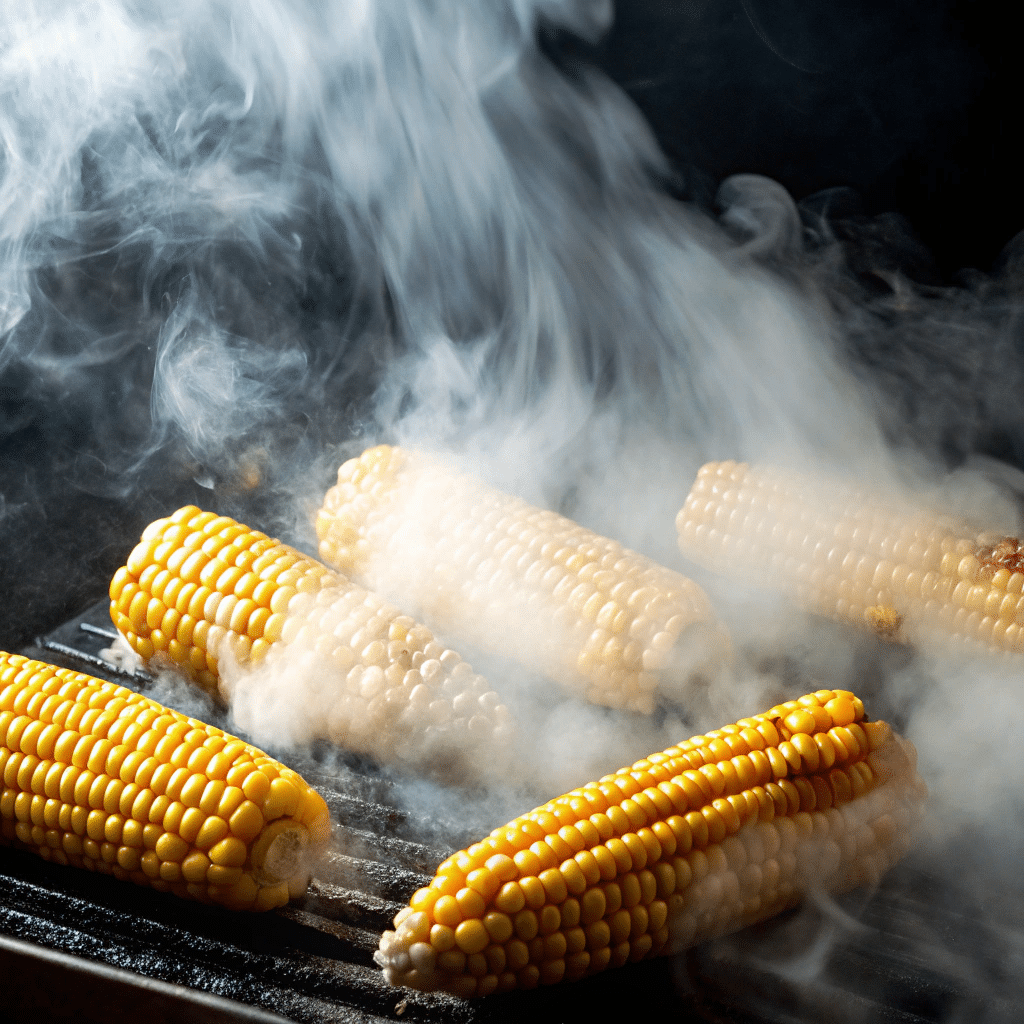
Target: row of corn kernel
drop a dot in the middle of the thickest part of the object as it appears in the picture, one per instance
(666, 772)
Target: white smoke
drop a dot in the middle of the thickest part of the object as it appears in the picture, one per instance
(502, 213)
(252, 211)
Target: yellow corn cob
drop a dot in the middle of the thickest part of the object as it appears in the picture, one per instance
(848, 555)
(100, 777)
(239, 609)
(530, 584)
(708, 836)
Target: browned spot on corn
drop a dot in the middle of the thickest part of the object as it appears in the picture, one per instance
(886, 622)
(1006, 554)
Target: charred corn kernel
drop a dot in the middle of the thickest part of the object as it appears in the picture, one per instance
(889, 564)
(95, 819)
(608, 623)
(406, 699)
(741, 851)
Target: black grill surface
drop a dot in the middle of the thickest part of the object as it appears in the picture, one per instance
(77, 944)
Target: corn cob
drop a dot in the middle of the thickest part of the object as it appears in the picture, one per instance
(851, 556)
(703, 838)
(608, 623)
(253, 617)
(99, 777)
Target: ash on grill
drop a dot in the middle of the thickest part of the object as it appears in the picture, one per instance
(903, 953)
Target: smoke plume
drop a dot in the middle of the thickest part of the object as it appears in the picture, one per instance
(241, 239)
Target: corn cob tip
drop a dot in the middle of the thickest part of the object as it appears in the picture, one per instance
(285, 853)
(718, 832)
(99, 777)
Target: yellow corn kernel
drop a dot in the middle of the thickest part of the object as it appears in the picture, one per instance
(743, 851)
(606, 622)
(58, 803)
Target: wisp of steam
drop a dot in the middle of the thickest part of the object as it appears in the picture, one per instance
(266, 232)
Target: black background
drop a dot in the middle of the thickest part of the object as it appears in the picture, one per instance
(914, 105)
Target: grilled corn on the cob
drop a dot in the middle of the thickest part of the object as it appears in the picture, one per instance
(607, 622)
(839, 552)
(99, 777)
(718, 832)
(264, 622)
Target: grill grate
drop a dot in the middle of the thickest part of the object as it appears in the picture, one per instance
(897, 955)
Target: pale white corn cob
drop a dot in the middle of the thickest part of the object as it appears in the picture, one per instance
(842, 552)
(534, 586)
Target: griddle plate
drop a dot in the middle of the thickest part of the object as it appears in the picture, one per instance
(88, 945)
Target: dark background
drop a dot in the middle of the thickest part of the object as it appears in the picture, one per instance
(914, 105)
(894, 121)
